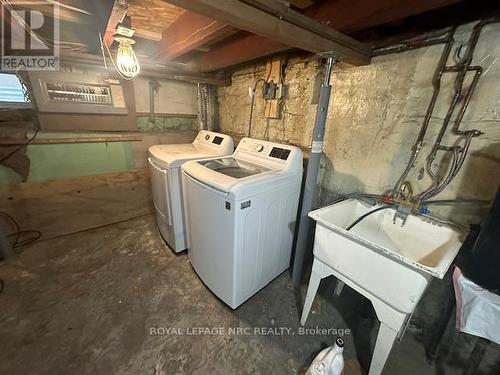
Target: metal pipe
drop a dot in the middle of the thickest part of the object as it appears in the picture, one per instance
(436, 83)
(411, 44)
(210, 107)
(154, 86)
(204, 113)
(445, 202)
(312, 174)
(462, 67)
(465, 105)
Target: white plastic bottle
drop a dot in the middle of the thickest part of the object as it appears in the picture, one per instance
(329, 361)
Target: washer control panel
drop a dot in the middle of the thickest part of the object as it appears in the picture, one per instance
(266, 149)
(286, 157)
(279, 153)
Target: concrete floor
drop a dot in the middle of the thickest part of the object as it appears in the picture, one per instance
(89, 303)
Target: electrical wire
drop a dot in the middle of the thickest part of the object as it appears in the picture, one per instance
(18, 233)
(20, 147)
(252, 105)
(75, 9)
(14, 224)
(17, 241)
(103, 53)
(7, 4)
(193, 34)
(41, 39)
(253, 100)
(266, 131)
(35, 235)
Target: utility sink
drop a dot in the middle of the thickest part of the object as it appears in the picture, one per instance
(389, 264)
(391, 261)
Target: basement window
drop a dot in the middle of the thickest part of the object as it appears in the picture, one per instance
(12, 93)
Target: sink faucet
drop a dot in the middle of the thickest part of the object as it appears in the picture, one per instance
(406, 191)
(405, 204)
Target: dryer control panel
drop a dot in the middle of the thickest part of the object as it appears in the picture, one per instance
(216, 140)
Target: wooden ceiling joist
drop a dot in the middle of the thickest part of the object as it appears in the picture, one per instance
(238, 51)
(343, 15)
(350, 16)
(268, 24)
(151, 17)
(189, 32)
(170, 71)
(118, 12)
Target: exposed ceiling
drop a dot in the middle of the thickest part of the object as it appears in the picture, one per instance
(80, 21)
(151, 17)
(202, 36)
(206, 43)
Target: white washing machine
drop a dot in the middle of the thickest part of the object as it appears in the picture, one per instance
(241, 212)
(164, 163)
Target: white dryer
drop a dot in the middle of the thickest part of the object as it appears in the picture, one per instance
(241, 212)
(165, 162)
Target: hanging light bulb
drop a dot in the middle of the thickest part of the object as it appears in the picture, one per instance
(126, 60)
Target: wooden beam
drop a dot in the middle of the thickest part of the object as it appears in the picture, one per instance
(350, 16)
(301, 4)
(248, 48)
(147, 34)
(298, 19)
(344, 15)
(190, 31)
(273, 74)
(257, 21)
(44, 138)
(118, 12)
(170, 70)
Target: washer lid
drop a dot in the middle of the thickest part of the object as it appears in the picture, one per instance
(176, 154)
(234, 168)
(235, 176)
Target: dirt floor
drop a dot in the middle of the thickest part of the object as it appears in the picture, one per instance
(116, 300)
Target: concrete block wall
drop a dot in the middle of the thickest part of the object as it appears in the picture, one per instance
(375, 115)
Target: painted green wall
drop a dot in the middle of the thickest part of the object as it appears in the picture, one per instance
(49, 162)
(166, 123)
(8, 176)
(57, 161)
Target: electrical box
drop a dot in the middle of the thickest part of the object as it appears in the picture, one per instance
(269, 90)
(76, 93)
(273, 91)
(273, 88)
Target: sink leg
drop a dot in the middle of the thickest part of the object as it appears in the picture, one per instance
(311, 293)
(338, 288)
(385, 339)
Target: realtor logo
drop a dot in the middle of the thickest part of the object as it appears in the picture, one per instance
(30, 35)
